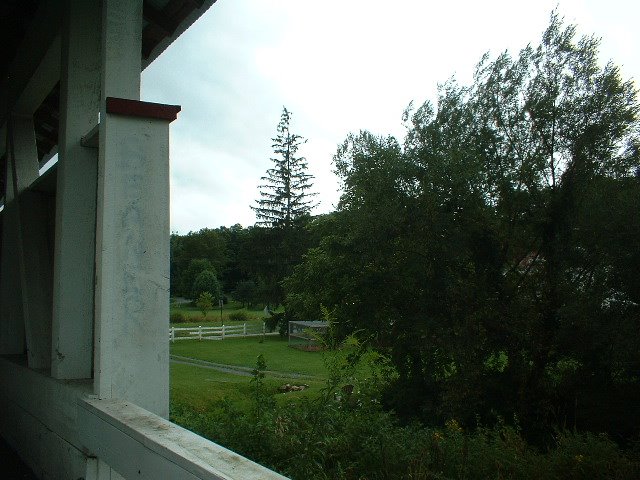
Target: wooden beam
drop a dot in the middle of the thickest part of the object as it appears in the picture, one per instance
(155, 16)
(137, 108)
(38, 42)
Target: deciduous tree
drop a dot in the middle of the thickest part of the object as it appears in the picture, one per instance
(492, 251)
(206, 281)
(205, 303)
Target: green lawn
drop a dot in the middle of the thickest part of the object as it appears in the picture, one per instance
(244, 352)
(200, 389)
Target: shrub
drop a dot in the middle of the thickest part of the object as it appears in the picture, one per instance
(238, 316)
(319, 440)
(278, 320)
(205, 303)
(177, 317)
(345, 434)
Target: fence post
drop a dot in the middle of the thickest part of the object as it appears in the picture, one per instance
(199, 332)
(173, 335)
(264, 328)
(244, 330)
(223, 331)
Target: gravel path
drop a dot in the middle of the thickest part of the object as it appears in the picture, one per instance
(234, 369)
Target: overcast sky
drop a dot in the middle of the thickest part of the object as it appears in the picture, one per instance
(339, 66)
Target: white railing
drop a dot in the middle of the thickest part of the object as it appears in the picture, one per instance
(66, 432)
(140, 445)
(215, 333)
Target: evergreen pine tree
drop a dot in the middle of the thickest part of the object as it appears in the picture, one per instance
(285, 196)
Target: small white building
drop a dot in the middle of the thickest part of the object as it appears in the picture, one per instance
(84, 253)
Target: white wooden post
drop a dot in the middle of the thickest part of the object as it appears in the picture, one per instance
(264, 328)
(74, 254)
(244, 330)
(199, 332)
(34, 263)
(131, 359)
(222, 331)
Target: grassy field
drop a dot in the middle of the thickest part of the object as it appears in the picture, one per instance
(201, 389)
(244, 352)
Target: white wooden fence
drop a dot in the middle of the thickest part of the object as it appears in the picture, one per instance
(215, 333)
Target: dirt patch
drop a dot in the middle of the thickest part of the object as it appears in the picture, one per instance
(308, 348)
(287, 387)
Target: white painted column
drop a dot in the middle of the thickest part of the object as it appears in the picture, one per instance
(73, 292)
(132, 230)
(132, 267)
(121, 47)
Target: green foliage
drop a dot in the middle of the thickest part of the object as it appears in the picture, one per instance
(261, 400)
(205, 303)
(285, 197)
(497, 361)
(206, 281)
(238, 316)
(279, 238)
(207, 246)
(246, 292)
(267, 255)
(189, 273)
(344, 434)
(279, 320)
(177, 317)
(493, 254)
(357, 375)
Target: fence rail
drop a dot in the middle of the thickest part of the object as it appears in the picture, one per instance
(215, 333)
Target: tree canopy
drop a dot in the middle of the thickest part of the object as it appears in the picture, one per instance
(206, 282)
(285, 196)
(492, 252)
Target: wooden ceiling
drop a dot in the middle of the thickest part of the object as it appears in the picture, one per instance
(162, 18)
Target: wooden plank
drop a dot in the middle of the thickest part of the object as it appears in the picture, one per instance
(137, 108)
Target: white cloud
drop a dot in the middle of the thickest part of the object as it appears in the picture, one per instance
(339, 66)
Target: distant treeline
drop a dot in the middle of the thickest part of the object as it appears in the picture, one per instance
(250, 263)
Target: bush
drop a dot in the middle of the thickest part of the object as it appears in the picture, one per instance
(278, 320)
(177, 317)
(345, 434)
(238, 317)
(205, 303)
(310, 439)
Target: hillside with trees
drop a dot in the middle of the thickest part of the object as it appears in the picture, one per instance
(251, 263)
(492, 254)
